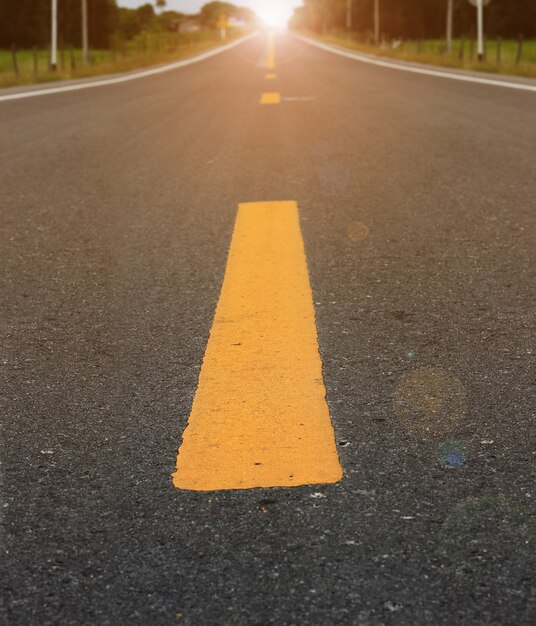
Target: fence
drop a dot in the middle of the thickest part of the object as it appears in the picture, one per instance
(465, 49)
(499, 53)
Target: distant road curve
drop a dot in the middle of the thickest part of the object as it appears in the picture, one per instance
(124, 78)
(415, 69)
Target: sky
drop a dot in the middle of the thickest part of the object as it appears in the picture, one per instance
(275, 12)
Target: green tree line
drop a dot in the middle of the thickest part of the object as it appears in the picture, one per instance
(26, 23)
(412, 19)
(211, 12)
(131, 22)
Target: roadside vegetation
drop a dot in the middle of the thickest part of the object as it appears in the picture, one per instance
(34, 65)
(513, 57)
(438, 32)
(121, 39)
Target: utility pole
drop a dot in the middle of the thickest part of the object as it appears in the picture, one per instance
(377, 22)
(349, 16)
(450, 10)
(480, 28)
(54, 43)
(85, 36)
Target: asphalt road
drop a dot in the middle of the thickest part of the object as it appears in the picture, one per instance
(418, 213)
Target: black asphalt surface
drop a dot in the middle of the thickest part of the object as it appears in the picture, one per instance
(117, 209)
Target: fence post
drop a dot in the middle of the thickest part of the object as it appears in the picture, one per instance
(471, 48)
(35, 61)
(73, 60)
(498, 50)
(519, 49)
(14, 58)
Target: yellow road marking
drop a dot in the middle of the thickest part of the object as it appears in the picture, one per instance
(271, 98)
(271, 76)
(270, 64)
(259, 416)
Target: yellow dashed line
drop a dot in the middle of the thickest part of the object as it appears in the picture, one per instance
(260, 417)
(271, 98)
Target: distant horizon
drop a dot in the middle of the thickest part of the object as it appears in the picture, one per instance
(183, 6)
(276, 11)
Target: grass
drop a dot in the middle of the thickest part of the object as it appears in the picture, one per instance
(432, 52)
(150, 49)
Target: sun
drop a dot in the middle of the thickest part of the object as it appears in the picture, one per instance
(274, 14)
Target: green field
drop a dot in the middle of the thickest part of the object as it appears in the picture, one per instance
(463, 55)
(150, 49)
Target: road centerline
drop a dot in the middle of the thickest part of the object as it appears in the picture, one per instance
(271, 98)
(259, 416)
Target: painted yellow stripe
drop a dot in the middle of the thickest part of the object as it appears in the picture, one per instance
(271, 98)
(270, 63)
(271, 76)
(259, 417)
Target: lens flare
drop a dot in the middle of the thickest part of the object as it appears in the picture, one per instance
(357, 231)
(452, 454)
(430, 401)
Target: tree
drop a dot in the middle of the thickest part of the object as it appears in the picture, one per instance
(145, 15)
(211, 12)
(161, 4)
(27, 22)
(414, 19)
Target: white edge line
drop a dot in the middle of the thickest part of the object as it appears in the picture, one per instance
(124, 79)
(415, 70)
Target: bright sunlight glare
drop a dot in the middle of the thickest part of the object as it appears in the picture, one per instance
(275, 13)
